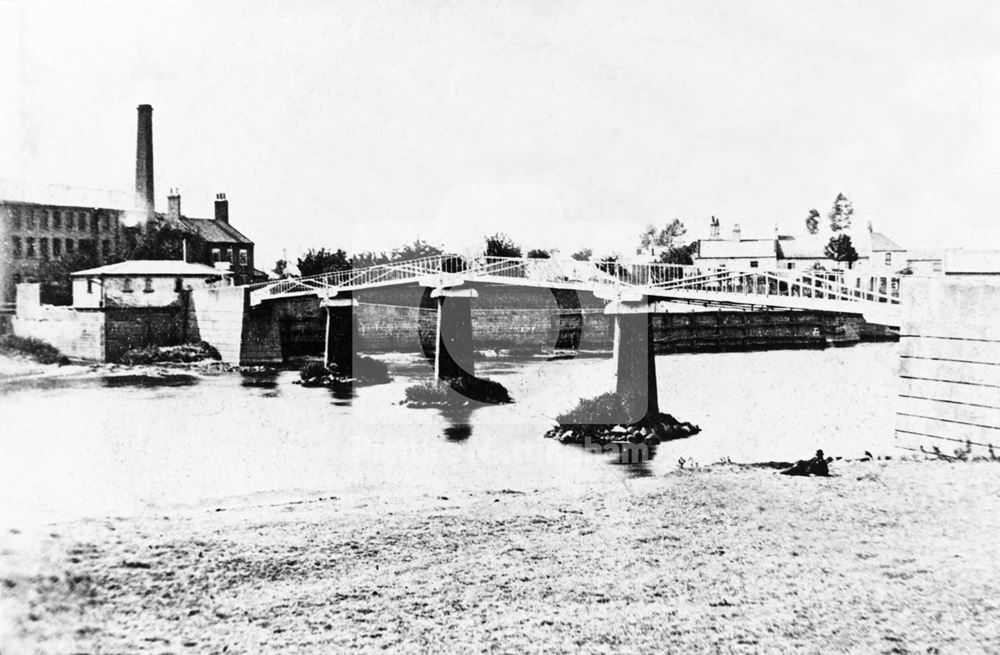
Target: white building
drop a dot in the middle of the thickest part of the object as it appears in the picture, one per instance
(142, 283)
(875, 250)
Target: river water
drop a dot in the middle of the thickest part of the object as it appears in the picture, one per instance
(111, 446)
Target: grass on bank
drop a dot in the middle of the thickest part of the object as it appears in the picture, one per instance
(180, 354)
(36, 349)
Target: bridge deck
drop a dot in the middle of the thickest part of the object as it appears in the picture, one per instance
(873, 295)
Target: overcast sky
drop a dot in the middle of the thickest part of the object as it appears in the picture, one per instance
(366, 124)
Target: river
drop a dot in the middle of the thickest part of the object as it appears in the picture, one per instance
(110, 446)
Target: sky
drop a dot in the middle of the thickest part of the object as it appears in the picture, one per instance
(364, 125)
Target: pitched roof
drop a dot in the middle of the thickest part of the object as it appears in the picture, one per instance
(214, 231)
(723, 249)
(882, 243)
(809, 247)
(137, 267)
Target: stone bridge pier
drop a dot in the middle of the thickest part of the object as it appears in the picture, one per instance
(454, 356)
(635, 366)
(339, 349)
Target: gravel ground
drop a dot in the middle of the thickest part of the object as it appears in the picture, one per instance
(885, 557)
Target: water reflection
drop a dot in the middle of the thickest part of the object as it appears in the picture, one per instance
(266, 381)
(458, 420)
(343, 393)
(147, 381)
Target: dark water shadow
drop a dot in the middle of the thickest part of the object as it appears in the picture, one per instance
(635, 461)
(266, 381)
(343, 393)
(143, 381)
(459, 422)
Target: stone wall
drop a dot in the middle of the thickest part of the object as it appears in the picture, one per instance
(216, 316)
(78, 334)
(949, 366)
(138, 327)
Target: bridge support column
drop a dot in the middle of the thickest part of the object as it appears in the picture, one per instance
(635, 366)
(453, 353)
(339, 350)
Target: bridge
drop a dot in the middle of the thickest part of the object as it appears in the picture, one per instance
(633, 291)
(876, 297)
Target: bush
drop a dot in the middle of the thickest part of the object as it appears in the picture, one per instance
(38, 350)
(365, 370)
(600, 409)
(182, 354)
(458, 390)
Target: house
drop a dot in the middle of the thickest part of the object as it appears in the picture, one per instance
(876, 252)
(737, 252)
(143, 283)
(226, 248)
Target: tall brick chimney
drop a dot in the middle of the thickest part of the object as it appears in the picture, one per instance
(221, 208)
(144, 198)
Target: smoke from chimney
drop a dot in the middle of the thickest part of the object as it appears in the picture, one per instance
(144, 197)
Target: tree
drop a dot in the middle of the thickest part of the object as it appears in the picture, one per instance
(538, 253)
(840, 249)
(319, 261)
(583, 255)
(679, 254)
(670, 235)
(56, 284)
(370, 258)
(281, 268)
(812, 222)
(167, 241)
(841, 214)
(500, 245)
(415, 250)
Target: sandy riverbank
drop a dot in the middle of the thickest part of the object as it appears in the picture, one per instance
(890, 557)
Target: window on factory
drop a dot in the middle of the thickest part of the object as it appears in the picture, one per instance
(30, 222)
(81, 222)
(43, 220)
(888, 259)
(105, 247)
(147, 285)
(227, 255)
(104, 223)
(216, 255)
(90, 285)
(69, 246)
(57, 220)
(16, 246)
(43, 248)
(178, 284)
(30, 241)
(15, 215)
(69, 221)
(94, 223)
(57, 247)
(754, 263)
(243, 257)
(127, 285)
(791, 264)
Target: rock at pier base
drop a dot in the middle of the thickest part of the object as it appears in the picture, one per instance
(651, 430)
